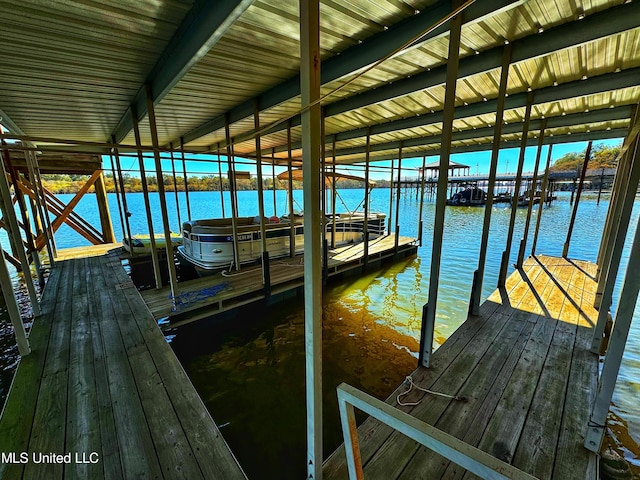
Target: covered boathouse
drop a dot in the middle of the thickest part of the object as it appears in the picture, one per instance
(314, 84)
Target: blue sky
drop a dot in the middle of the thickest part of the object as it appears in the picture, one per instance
(478, 162)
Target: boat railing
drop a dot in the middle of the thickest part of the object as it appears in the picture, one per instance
(467, 456)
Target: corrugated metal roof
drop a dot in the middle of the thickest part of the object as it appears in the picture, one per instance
(70, 70)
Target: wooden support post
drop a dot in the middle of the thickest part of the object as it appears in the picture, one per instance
(13, 310)
(424, 159)
(611, 367)
(429, 313)
(175, 186)
(186, 181)
(125, 208)
(292, 223)
(311, 141)
(543, 196)
(367, 154)
(173, 279)
(266, 281)
(145, 195)
(532, 190)
(232, 192)
(220, 181)
(397, 232)
(606, 283)
(11, 224)
(587, 156)
(504, 265)
(103, 209)
(478, 276)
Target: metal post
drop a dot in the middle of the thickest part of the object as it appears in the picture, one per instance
(504, 265)
(273, 177)
(175, 185)
(173, 280)
(424, 159)
(266, 281)
(333, 196)
(365, 231)
(587, 156)
(611, 367)
(232, 192)
(607, 281)
(145, 195)
(429, 310)
(186, 181)
(41, 211)
(11, 224)
(478, 275)
(38, 187)
(600, 186)
(390, 200)
(116, 189)
(397, 239)
(311, 141)
(32, 250)
(543, 196)
(13, 310)
(126, 212)
(292, 225)
(532, 191)
(220, 181)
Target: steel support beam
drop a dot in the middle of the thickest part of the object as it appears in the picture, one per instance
(585, 164)
(607, 281)
(504, 265)
(173, 279)
(532, 191)
(311, 141)
(478, 275)
(147, 204)
(429, 315)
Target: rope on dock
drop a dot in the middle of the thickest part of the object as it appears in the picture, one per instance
(412, 385)
(187, 299)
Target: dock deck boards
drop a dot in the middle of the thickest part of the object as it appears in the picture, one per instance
(524, 366)
(201, 297)
(101, 378)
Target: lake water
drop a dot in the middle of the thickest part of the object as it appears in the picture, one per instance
(249, 368)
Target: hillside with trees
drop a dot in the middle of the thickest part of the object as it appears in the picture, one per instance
(602, 156)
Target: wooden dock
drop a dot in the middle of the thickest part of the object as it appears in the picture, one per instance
(102, 385)
(204, 297)
(525, 369)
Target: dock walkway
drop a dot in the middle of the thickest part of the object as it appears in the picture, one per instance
(102, 385)
(525, 369)
(204, 297)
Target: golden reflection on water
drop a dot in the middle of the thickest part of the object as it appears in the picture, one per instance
(254, 382)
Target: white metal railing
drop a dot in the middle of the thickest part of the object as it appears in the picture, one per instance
(467, 456)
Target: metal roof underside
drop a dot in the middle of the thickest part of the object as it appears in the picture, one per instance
(72, 70)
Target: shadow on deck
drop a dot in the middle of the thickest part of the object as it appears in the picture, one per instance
(525, 370)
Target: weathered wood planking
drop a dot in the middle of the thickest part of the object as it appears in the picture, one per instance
(375, 432)
(246, 285)
(525, 369)
(103, 379)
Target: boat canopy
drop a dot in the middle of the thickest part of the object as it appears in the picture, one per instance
(297, 175)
